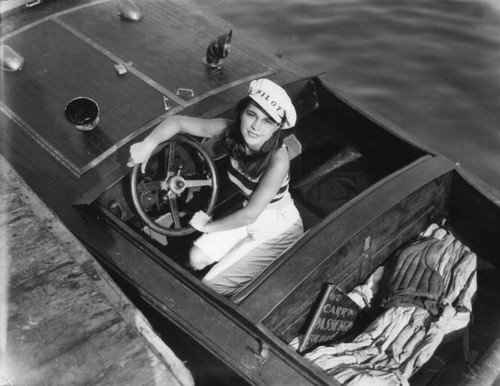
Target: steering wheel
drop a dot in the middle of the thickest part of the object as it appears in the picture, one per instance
(172, 186)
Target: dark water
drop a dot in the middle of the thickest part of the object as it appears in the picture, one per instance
(430, 67)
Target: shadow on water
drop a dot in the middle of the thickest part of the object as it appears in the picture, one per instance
(431, 67)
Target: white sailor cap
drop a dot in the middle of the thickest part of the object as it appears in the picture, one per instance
(274, 100)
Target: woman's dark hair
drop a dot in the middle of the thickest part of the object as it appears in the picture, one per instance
(255, 163)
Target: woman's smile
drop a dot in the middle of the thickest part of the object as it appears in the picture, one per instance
(256, 126)
(253, 134)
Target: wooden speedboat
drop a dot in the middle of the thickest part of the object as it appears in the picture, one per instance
(363, 187)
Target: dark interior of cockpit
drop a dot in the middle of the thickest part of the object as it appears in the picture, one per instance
(335, 155)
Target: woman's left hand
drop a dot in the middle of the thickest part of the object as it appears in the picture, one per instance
(199, 220)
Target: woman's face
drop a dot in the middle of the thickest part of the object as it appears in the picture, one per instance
(256, 126)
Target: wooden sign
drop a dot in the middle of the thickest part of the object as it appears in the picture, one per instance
(334, 317)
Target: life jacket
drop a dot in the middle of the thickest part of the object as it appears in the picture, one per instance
(414, 279)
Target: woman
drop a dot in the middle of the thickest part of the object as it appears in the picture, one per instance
(244, 242)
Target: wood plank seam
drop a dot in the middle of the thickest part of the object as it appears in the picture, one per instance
(118, 60)
(43, 20)
(40, 140)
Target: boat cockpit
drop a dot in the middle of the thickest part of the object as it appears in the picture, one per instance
(336, 154)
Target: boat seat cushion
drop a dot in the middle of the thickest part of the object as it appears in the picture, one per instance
(335, 182)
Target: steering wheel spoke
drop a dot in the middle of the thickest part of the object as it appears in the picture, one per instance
(188, 184)
(145, 187)
(174, 210)
(170, 150)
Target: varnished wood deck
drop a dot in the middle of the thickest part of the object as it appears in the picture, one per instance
(68, 323)
(76, 57)
(69, 52)
(9, 7)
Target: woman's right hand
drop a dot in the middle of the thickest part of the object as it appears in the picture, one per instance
(140, 153)
(199, 221)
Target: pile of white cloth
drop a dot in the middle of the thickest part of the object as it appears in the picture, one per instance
(398, 342)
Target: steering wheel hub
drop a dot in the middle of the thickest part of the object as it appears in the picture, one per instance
(177, 184)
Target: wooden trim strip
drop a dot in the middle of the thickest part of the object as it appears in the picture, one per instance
(118, 60)
(40, 140)
(128, 138)
(43, 20)
(227, 86)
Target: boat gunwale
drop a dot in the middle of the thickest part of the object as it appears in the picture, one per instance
(254, 308)
(222, 305)
(325, 222)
